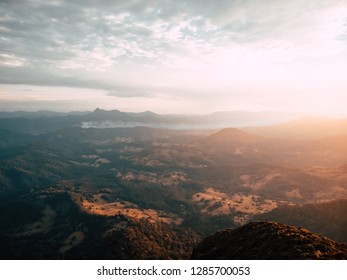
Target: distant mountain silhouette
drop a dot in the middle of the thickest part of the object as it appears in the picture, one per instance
(46, 121)
(268, 240)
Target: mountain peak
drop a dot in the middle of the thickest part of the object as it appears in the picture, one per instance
(232, 135)
(98, 110)
(268, 240)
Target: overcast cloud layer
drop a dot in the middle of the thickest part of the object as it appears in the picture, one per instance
(174, 56)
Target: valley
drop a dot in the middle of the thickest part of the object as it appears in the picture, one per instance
(67, 188)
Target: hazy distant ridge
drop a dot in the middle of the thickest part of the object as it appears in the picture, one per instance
(47, 121)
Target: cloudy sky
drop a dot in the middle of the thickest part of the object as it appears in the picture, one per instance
(172, 56)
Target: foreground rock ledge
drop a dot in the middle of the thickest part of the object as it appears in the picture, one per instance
(268, 241)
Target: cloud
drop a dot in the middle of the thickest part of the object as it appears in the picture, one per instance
(133, 48)
(26, 76)
(342, 37)
(12, 60)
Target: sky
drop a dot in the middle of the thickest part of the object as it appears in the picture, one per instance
(168, 56)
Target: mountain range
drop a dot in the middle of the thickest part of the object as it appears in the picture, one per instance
(46, 121)
(74, 186)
